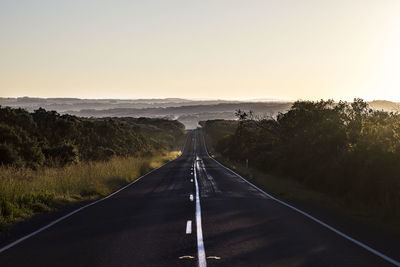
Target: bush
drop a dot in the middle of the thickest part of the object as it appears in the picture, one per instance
(8, 155)
(46, 138)
(342, 149)
(62, 155)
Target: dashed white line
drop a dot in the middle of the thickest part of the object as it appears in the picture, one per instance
(191, 197)
(201, 253)
(189, 227)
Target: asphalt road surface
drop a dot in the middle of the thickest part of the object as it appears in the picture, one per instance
(190, 212)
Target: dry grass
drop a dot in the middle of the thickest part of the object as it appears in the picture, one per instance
(25, 192)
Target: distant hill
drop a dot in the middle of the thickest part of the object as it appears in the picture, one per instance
(385, 105)
(76, 104)
(190, 115)
(189, 112)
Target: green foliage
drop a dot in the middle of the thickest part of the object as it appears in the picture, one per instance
(62, 154)
(46, 138)
(342, 149)
(8, 155)
(219, 129)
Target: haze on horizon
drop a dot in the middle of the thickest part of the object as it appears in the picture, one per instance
(280, 49)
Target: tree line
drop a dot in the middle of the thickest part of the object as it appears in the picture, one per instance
(346, 150)
(46, 138)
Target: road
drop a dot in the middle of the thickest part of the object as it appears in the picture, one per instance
(190, 212)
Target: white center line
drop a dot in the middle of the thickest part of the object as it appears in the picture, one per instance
(201, 253)
(191, 197)
(188, 227)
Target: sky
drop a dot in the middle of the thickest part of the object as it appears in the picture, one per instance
(226, 49)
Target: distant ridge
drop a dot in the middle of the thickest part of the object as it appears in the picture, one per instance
(187, 111)
(385, 105)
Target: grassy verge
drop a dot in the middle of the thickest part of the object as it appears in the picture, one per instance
(293, 192)
(25, 192)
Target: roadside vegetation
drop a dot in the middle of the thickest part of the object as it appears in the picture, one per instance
(25, 192)
(49, 160)
(342, 154)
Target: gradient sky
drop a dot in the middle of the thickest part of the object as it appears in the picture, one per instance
(285, 49)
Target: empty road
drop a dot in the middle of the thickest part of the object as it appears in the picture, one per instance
(190, 212)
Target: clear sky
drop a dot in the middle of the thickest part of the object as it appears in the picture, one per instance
(285, 49)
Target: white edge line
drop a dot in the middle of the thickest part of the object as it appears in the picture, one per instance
(373, 251)
(201, 254)
(84, 207)
(188, 227)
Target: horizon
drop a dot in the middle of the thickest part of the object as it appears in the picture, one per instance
(203, 99)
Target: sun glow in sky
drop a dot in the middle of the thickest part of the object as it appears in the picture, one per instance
(284, 49)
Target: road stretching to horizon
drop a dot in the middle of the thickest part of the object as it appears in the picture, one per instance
(190, 212)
